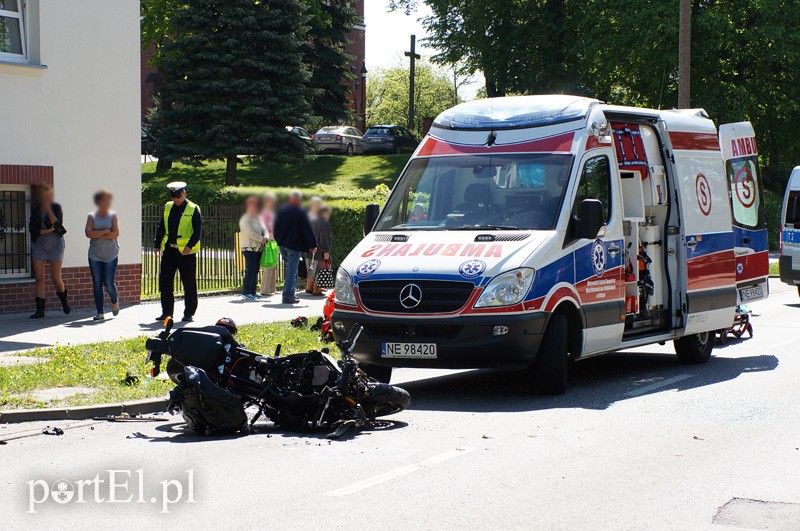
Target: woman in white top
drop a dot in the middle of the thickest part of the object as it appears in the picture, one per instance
(252, 237)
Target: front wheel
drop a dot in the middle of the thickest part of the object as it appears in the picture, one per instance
(550, 368)
(694, 348)
(384, 399)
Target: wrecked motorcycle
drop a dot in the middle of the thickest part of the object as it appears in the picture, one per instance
(218, 379)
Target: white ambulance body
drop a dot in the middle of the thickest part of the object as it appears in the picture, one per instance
(526, 231)
(789, 261)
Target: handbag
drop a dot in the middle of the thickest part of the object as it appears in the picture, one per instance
(269, 256)
(325, 274)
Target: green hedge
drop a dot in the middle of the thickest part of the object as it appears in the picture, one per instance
(347, 216)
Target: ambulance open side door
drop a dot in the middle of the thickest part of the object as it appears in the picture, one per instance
(740, 154)
(706, 262)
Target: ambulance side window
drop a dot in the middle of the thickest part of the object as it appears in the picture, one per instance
(595, 183)
(745, 192)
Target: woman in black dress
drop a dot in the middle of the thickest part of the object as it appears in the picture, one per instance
(47, 236)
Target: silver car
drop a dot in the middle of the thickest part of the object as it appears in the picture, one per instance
(340, 139)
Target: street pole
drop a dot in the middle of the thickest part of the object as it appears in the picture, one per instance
(412, 57)
(685, 54)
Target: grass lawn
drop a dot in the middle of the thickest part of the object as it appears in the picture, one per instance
(773, 269)
(103, 366)
(357, 172)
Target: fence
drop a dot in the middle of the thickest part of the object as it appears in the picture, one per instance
(220, 266)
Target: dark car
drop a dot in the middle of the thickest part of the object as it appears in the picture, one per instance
(148, 142)
(389, 139)
(340, 139)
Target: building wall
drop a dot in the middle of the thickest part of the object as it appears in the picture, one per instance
(78, 113)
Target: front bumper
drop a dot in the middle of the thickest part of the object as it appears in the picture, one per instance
(788, 275)
(463, 342)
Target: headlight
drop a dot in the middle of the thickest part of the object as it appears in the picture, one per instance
(344, 288)
(507, 288)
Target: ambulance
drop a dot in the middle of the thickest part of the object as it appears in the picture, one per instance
(535, 230)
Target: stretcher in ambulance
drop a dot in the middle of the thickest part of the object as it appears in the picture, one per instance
(528, 231)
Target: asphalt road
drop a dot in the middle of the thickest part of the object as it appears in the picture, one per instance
(639, 441)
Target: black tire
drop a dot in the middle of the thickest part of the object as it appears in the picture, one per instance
(694, 348)
(384, 399)
(397, 150)
(550, 368)
(350, 150)
(377, 372)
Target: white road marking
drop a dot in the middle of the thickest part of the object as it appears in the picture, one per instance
(657, 385)
(399, 472)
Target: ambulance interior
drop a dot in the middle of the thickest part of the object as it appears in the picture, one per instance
(645, 205)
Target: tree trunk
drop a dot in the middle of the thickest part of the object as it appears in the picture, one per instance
(493, 91)
(685, 55)
(230, 170)
(163, 165)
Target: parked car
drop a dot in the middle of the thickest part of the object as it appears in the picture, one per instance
(302, 133)
(389, 139)
(340, 139)
(148, 142)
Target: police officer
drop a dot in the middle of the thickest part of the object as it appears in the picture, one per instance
(178, 239)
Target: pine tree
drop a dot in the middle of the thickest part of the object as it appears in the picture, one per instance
(325, 55)
(234, 79)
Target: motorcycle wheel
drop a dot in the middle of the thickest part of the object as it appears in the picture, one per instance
(385, 399)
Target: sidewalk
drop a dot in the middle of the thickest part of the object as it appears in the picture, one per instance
(18, 332)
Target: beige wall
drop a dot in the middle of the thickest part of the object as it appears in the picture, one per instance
(80, 114)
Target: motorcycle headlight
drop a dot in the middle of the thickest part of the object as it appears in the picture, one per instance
(507, 288)
(344, 288)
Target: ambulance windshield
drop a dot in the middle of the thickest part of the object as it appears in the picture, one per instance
(474, 192)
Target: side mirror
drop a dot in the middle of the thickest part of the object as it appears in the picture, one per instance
(590, 218)
(370, 217)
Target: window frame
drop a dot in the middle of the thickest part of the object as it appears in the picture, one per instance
(20, 16)
(586, 162)
(761, 222)
(23, 273)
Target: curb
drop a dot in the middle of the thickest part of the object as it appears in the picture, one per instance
(136, 407)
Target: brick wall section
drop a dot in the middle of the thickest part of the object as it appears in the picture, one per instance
(11, 174)
(18, 297)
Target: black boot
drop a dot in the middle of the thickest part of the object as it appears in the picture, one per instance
(39, 309)
(64, 302)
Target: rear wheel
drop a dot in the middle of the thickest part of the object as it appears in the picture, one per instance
(349, 150)
(378, 372)
(550, 368)
(694, 348)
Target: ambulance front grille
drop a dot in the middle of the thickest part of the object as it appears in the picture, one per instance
(438, 296)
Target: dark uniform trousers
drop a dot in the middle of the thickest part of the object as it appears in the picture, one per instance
(171, 261)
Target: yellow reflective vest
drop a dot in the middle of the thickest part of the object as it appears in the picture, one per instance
(185, 228)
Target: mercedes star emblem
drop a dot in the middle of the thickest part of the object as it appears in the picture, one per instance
(410, 296)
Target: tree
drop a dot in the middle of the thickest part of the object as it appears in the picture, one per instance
(387, 94)
(325, 56)
(520, 45)
(233, 79)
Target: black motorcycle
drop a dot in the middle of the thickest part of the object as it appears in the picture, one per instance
(218, 379)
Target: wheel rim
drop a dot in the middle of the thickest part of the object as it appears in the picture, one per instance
(702, 341)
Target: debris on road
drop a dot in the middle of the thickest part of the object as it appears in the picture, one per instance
(53, 431)
(125, 417)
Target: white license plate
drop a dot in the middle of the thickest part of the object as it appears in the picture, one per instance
(749, 294)
(376, 140)
(425, 351)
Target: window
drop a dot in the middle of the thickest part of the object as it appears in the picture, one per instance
(595, 184)
(12, 31)
(14, 252)
(792, 209)
(745, 192)
(478, 192)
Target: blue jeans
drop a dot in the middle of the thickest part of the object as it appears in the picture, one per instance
(291, 259)
(104, 275)
(252, 264)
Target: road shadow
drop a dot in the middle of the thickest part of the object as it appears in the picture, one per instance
(179, 432)
(596, 383)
